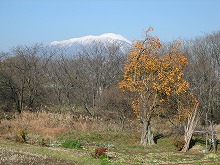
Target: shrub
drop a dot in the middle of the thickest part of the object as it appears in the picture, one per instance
(21, 136)
(72, 144)
(100, 152)
(44, 142)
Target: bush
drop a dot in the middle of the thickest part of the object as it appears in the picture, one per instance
(72, 144)
(100, 152)
(44, 142)
(21, 136)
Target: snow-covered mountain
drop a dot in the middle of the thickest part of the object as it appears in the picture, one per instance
(76, 45)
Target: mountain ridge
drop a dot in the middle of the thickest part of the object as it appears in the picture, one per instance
(110, 37)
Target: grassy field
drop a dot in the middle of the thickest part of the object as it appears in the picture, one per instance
(57, 139)
(122, 150)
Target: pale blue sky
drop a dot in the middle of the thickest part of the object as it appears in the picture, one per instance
(33, 21)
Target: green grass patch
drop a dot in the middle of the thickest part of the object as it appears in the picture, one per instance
(72, 144)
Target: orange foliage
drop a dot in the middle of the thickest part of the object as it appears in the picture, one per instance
(149, 73)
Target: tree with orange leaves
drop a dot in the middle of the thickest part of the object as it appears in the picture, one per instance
(154, 76)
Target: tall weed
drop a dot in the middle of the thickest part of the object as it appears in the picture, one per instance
(50, 125)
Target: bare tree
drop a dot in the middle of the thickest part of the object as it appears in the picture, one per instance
(23, 75)
(79, 79)
(203, 72)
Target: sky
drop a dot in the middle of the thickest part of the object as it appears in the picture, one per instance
(26, 22)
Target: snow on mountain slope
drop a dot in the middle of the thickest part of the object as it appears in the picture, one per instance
(75, 45)
(87, 39)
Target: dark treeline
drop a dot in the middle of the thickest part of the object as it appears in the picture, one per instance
(35, 77)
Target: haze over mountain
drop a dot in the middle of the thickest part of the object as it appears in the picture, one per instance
(76, 45)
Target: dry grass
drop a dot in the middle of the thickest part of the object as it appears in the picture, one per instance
(49, 125)
(90, 123)
(41, 123)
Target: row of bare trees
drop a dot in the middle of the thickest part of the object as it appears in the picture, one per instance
(32, 77)
(203, 73)
(36, 76)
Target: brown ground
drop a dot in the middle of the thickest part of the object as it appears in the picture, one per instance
(15, 157)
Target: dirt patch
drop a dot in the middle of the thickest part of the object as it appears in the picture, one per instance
(12, 157)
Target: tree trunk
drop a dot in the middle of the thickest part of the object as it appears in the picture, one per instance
(18, 106)
(193, 119)
(147, 136)
(87, 109)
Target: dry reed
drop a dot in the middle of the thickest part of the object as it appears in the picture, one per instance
(49, 124)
